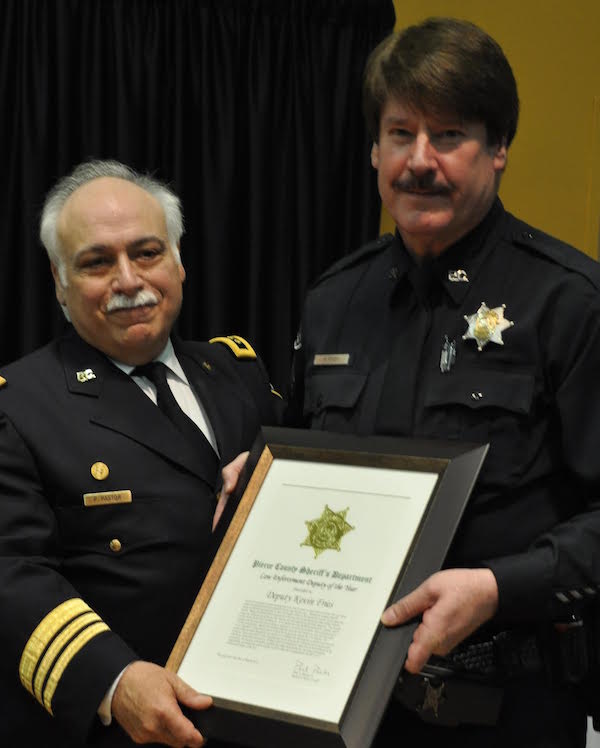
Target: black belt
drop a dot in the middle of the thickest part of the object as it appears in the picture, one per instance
(449, 701)
(465, 686)
(508, 654)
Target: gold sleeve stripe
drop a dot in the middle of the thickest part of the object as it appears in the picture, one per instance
(55, 648)
(274, 392)
(44, 633)
(240, 347)
(77, 644)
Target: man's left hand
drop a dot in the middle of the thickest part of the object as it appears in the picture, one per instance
(453, 603)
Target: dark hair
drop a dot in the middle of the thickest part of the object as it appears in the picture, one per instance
(444, 66)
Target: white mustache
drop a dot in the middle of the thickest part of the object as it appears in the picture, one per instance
(122, 301)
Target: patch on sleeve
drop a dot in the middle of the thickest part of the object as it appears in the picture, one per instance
(238, 346)
(2, 381)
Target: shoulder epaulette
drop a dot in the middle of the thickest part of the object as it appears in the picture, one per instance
(240, 347)
(556, 250)
(378, 245)
(2, 381)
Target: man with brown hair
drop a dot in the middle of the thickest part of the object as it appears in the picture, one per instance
(469, 324)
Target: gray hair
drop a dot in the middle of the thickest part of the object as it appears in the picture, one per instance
(87, 172)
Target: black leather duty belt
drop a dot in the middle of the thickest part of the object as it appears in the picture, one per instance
(506, 655)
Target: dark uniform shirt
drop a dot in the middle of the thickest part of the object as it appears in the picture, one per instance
(105, 525)
(534, 516)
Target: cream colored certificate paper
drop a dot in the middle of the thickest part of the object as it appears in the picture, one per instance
(298, 603)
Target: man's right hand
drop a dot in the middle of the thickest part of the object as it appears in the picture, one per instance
(146, 705)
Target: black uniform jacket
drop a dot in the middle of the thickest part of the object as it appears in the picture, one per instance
(84, 589)
(534, 516)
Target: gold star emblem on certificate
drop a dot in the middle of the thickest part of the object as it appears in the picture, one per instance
(326, 532)
(487, 325)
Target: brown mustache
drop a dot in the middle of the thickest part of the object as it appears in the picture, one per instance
(426, 183)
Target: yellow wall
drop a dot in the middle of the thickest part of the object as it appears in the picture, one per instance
(553, 175)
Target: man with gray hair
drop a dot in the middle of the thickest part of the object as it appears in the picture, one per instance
(108, 502)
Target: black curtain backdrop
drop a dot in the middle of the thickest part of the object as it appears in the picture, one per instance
(250, 109)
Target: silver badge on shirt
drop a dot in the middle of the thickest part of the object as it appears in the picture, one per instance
(486, 325)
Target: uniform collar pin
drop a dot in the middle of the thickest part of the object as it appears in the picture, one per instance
(85, 375)
(458, 276)
(487, 325)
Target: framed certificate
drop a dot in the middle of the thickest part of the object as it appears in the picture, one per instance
(285, 633)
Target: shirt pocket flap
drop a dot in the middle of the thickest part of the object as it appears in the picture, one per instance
(332, 390)
(483, 389)
(137, 526)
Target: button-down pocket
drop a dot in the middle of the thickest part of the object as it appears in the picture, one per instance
(333, 395)
(91, 530)
(483, 389)
(485, 406)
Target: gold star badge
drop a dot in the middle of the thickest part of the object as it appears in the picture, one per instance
(326, 532)
(487, 325)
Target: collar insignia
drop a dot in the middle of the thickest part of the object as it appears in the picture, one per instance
(458, 276)
(487, 325)
(85, 375)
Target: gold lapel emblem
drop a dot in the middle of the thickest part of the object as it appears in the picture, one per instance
(487, 325)
(107, 497)
(85, 375)
(99, 470)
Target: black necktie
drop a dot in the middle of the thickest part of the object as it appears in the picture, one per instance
(156, 372)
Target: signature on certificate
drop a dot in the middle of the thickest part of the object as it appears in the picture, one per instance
(311, 672)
